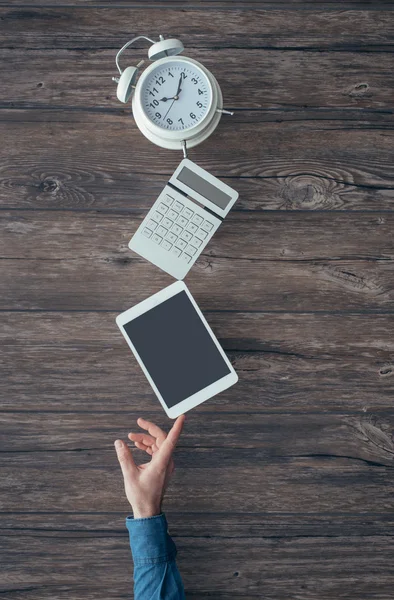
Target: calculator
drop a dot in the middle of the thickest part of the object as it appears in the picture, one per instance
(183, 219)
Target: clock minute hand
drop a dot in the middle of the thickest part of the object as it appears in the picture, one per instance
(179, 85)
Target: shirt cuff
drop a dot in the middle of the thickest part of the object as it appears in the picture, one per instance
(150, 541)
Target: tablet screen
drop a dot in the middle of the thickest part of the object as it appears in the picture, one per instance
(176, 348)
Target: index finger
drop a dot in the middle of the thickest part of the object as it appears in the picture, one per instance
(163, 455)
(176, 430)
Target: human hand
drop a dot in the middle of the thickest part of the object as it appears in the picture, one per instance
(145, 484)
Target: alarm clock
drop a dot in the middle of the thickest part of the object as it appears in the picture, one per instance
(177, 103)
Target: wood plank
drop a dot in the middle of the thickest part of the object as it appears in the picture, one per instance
(64, 261)
(249, 78)
(278, 437)
(211, 5)
(108, 26)
(224, 525)
(267, 236)
(206, 480)
(286, 362)
(102, 567)
(280, 165)
(80, 567)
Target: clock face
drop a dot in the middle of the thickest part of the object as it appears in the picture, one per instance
(176, 95)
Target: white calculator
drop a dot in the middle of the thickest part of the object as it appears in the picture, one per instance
(183, 219)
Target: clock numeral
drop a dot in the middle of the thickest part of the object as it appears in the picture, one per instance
(181, 120)
(194, 80)
(160, 82)
(151, 93)
(156, 90)
(192, 115)
(200, 92)
(154, 103)
(169, 121)
(199, 104)
(170, 74)
(158, 115)
(183, 74)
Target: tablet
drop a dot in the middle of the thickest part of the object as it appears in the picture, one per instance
(176, 349)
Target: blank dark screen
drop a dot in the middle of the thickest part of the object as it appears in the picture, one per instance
(203, 187)
(176, 349)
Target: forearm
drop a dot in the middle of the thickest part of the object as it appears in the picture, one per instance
(156, 574)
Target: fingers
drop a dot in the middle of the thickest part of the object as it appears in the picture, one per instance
(142, 438)
(163, 456)
(153, 429)
(149, 449)
(143, 441)
(126, 461)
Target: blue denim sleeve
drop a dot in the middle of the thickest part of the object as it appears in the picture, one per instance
(156, 576)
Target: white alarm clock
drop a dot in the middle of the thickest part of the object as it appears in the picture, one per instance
(177, 102)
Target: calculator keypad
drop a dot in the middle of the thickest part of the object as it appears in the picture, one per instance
(177, 228)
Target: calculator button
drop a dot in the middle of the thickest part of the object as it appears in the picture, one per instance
(187, 213)
(151, 224)
(186, 235)
(172, 214)
(191, 250)
(197, 220)
(168, 200)
(162, 208)
(147, 232)
(201, 234)
(176, 251)
(161, 230)
(186, 257)
(156, 238)
(157, 216)
(171, 237)
(176, 229)
(181, 221)
(181, 244)
(207, 226)
(167, 222)
(166, 245)
(196, 242)
(192, 227)
(177, 206)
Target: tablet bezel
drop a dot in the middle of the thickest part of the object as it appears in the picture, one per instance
(204, 394)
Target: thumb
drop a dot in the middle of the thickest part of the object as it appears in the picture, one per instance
(126, 460)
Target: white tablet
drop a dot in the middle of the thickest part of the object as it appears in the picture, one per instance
(177, 350)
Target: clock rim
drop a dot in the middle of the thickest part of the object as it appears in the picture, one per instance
(143, 119)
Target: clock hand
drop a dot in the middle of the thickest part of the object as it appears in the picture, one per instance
(179, 85)
(169, 109)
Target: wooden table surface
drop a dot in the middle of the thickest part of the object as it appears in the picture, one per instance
(284, 483)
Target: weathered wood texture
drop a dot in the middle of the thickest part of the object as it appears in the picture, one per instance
(284, 484)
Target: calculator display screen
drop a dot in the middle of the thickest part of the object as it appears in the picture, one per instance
(204, 187)
(176, 349)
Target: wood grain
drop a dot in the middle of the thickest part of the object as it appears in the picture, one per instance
(88, 565)
(69, 257)
(249, 78)
(286, 362)
(89, 479)
(72, 26)
(58, 165)
(284, 483)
